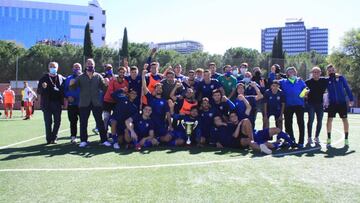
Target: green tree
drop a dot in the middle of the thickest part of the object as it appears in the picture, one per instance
(9, 51)
(124, 53)
(88, 46)
(277, 54)
(347, 58)
(236, 56)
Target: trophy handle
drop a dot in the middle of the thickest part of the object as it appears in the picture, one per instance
(183, 123)
(195, 124)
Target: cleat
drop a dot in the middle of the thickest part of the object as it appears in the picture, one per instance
(106, 143)
(265, 149)
(83, 144)
(116, 146)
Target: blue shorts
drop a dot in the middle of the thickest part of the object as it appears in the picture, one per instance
(160, 130)
(120, 125)
(261, 136)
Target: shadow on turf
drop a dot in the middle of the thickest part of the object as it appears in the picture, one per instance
(95, 149)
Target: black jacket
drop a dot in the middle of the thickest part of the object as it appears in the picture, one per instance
(54, 92)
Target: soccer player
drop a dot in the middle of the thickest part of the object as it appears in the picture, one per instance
(152, 78)
(317, 86)
(72, 97)
(184, 104)
(141, 130)
(221, 104)
(9, 101)
(228, 82)
(242, 102)
(109, 103)
(29, 97)
(51, 89)
(160, 110)
(295, 90)
(178, 76)
(191, 81)
(234, 134)
(134, 80)
(199, 74)
(206, 86)
(338, 89)
(180, 135)
(274, 105)
(207, 119)
(125, 107)
(213, 73)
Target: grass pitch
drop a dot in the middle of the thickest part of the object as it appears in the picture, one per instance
(31, 171)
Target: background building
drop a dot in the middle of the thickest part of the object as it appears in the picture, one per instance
(183, 47)
(296, 38)
(27, 22)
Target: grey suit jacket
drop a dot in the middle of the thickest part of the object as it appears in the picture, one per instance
(91, 90)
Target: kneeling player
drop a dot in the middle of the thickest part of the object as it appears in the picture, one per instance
(125, 107)
(141, 130)
(188, 127)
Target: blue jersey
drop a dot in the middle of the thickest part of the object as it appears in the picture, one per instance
(207, 121)
(274, 102)
(124, 107)
(135, 84)
(223, 108)
(71, 93)
(241, 108)
(142, 126)
(159, 108)
(224, 135)
(205, 90)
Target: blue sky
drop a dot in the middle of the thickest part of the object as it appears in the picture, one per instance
(221, 24)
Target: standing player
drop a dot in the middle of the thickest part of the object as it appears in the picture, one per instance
(338, 89)
(29, 97)
(207, 85)
(160, 110)
(9, 101)
(274, 105)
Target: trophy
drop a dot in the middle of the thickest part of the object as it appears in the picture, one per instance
(189, 126)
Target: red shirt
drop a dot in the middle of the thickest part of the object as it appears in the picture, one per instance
(115, 85)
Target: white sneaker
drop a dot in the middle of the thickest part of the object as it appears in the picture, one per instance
(73, 139)
(116, 146)
(83, 144)
(265, 149)
(106, 143)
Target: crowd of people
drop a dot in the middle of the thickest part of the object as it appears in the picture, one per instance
(143, 109)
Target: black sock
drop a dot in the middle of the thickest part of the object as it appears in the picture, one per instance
(346, 135)
(329, 135)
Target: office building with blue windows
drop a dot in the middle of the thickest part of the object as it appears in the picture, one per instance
(28, 22)
(296, 38)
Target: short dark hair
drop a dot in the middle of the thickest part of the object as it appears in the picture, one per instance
(134, 68)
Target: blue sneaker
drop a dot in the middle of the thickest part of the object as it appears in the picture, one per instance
(300, 146)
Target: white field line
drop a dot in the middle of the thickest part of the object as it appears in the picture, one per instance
(162, 165)
(29, 140)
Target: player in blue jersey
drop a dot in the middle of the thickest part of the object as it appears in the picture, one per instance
(274, 105)
(125, 107)
(245, 105)
(160, 111)
(207, 85)
(141, 130)
(180, 133)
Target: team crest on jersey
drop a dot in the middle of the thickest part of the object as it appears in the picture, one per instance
(278, 98)
(270, 97)
(161, 103)
(212, 86)
(210, 114)
(147, 125)
(230, 83)
(126, 102)
(221, 107)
